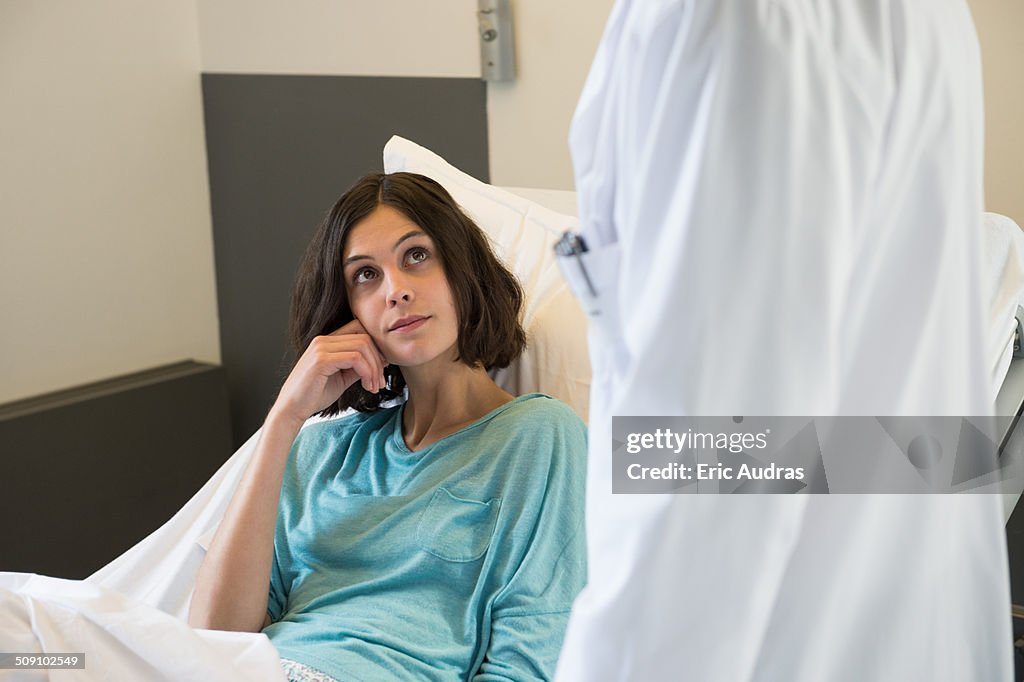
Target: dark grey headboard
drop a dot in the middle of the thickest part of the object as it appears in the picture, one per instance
(281, 150)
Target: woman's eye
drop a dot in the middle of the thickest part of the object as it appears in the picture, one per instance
(363, 275)
(417, 255)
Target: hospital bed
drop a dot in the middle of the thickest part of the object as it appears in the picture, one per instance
(131, 612)
(1003, 267)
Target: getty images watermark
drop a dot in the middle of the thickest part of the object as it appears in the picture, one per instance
(734, 455)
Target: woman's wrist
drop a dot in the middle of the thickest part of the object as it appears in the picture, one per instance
(280, 420)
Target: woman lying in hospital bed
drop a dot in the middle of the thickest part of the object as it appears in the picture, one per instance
(456, 545)
(437, 538)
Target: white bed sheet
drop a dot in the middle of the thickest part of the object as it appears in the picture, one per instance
(122, 639)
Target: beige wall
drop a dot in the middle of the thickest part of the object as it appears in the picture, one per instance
(528, 119)
(106, 260)
(340, 37)
(999, 24)
(555, 42)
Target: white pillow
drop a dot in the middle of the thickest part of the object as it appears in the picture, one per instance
(523, 234)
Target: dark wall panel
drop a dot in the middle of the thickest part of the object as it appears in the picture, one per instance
(90, 471)
(281, 150)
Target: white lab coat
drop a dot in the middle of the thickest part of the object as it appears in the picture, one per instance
(783, 201)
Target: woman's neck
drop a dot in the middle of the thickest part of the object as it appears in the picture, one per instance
(443, 400)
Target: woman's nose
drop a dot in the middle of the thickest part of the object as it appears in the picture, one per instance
(399, 291)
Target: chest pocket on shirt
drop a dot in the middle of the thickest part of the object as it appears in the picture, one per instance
(455, 529)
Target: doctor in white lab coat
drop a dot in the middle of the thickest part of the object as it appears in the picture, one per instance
(782, 200)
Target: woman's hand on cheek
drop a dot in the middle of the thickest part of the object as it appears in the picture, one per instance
(327, 368)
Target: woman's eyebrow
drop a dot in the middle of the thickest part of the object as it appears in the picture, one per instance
(408, 235)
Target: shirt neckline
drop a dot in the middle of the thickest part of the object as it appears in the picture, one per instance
(399, 441)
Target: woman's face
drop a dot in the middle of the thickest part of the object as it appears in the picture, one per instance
(397, 289)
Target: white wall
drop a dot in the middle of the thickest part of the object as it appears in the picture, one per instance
(106, 260)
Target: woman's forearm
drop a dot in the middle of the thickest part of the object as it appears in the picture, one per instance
(233, 582)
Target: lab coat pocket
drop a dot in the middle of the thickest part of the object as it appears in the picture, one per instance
(593, 277)
(455, 529)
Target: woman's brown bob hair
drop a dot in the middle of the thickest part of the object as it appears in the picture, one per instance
(488, 298)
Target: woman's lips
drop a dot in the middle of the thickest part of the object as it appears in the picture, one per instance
(410, 327)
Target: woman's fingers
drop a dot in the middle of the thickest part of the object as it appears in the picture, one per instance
(351, 360)
(329, 365)
(371, 371)
(356, 327)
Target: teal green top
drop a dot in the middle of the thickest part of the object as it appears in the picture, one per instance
(458, 561)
